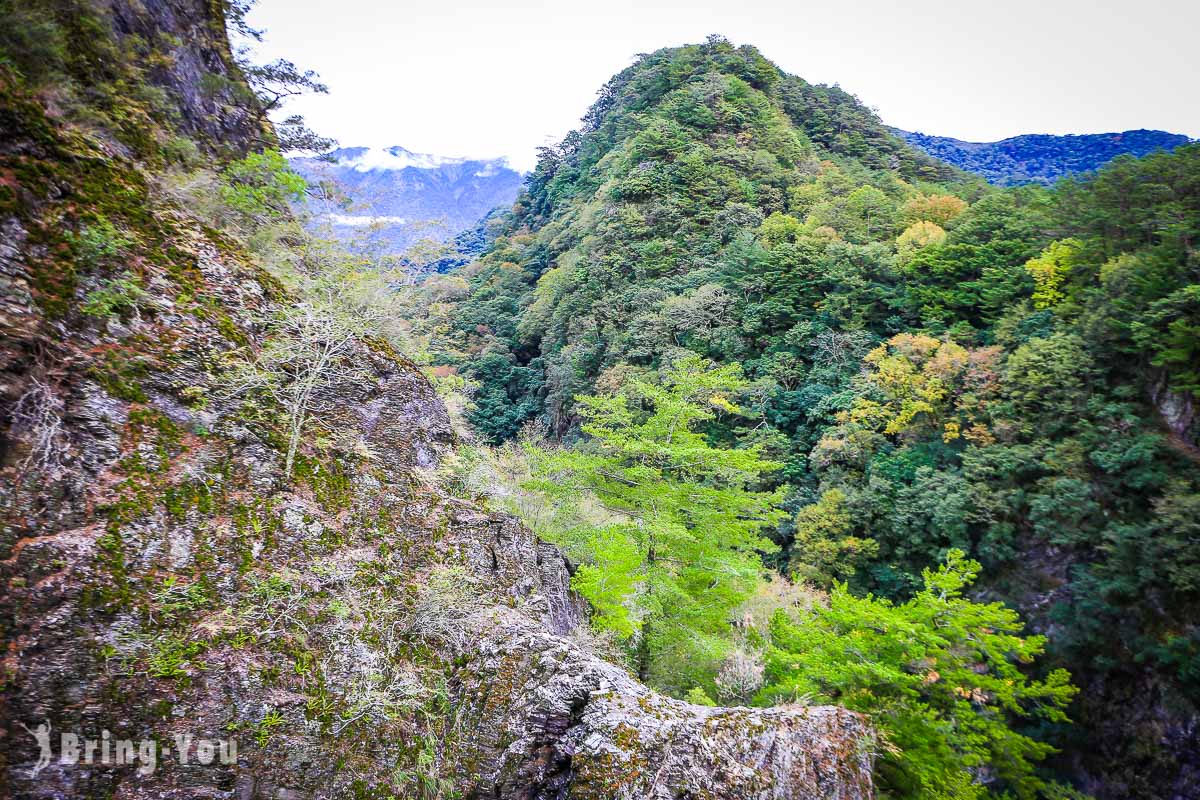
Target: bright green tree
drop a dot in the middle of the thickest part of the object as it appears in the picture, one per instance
(940, 677)
(260, 187)
(681, 546)
(1050, 270)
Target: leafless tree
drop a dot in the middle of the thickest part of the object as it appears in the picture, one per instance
(838, 348)
(312, 347)
(740, 675)
(39, 414)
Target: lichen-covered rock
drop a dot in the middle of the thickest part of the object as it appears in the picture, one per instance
(1178, 412)
(553, 721)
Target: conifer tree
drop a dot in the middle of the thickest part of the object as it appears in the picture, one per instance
(682, 545)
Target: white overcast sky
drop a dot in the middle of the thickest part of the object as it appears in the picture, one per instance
(476, 78)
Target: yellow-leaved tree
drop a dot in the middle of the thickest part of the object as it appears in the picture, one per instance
(1050, 271)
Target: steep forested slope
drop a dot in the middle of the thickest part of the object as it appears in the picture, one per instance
(1041, 158)
(938, 366)
(682, 154)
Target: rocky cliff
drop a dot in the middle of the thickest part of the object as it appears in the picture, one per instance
(351, 629)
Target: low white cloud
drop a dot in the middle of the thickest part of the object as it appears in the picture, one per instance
(365, 220)
(391, 158)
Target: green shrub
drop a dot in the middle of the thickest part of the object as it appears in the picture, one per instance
(117, 297)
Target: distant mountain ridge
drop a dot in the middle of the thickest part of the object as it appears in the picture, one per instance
(396, 197)
(1041, 158)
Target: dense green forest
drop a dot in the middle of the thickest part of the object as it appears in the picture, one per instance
(818, 415)
(1041, 158)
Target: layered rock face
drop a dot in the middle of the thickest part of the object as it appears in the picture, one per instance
(353, 629)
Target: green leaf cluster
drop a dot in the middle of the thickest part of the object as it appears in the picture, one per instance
(941, 677)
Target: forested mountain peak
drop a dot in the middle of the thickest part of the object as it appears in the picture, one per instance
(732, 99)
(685, 154)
